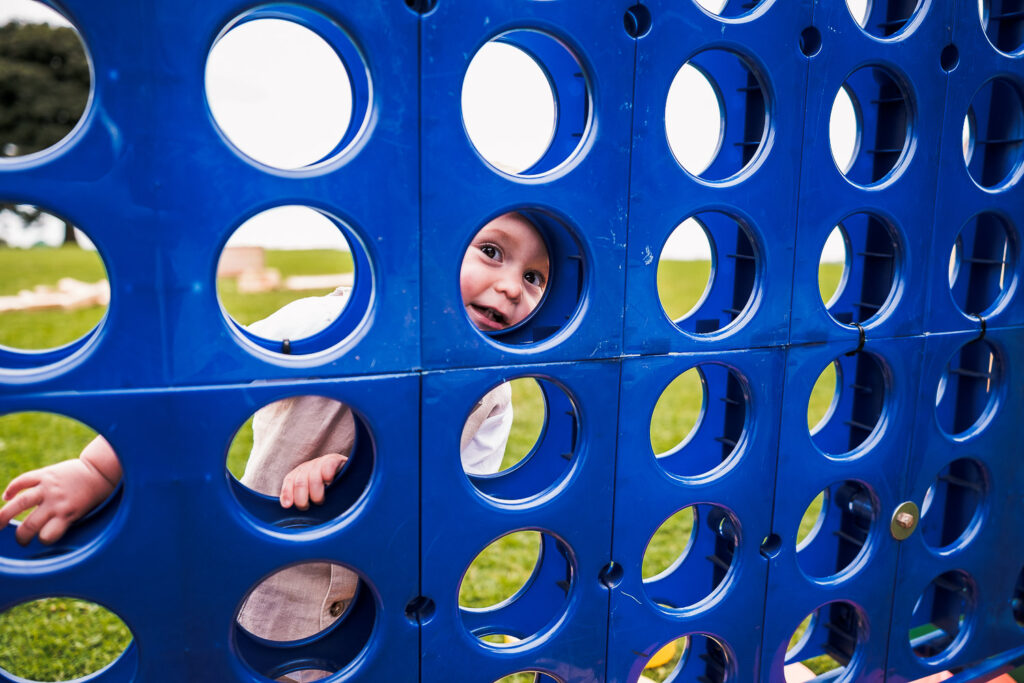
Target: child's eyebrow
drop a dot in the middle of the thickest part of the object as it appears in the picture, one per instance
(500, 231)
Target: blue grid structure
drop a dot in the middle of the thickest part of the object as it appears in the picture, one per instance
(929, 356)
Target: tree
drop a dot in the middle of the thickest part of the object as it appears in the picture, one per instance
(44, 87)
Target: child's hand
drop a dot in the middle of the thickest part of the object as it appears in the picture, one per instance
(306, 483)
(60, 494)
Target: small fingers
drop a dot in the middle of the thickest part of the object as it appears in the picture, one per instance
(301, 491)
(316, 488)
(287, 494)
(330, 466)
(22, 482)
(53, 530)
(25, 501)
(31, 526)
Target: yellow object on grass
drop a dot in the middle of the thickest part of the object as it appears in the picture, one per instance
(662, 656)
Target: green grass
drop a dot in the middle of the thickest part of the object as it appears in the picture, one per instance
(681, 285)
(26, 268)
(59, 639)
(248, 308)
(62, 638)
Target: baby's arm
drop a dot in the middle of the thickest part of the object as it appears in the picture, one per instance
(306, 482)
(61, 493)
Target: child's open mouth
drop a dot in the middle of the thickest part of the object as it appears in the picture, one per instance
(496, 319)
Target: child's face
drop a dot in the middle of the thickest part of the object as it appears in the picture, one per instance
(504, 273)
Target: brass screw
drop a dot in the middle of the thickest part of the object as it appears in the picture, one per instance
(905, 520)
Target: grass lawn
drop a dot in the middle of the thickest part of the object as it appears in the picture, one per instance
(60, 638)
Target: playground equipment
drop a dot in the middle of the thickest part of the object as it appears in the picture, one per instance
(914, 568)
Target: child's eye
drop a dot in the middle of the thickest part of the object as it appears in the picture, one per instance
(490, 251)
(534, 278)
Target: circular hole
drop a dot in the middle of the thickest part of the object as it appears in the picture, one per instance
(864, 284)
(501, 570)
(300, 461)
(669, 543)
(694, 657)
(677, 412)
(1003, 24)
(697, 542)
(48, 79)
(280, 90)
(967, 389)
(844, 130)
(295, 602)
(420, 609)
(716, 115)
(833, 266)
(883, 18)
(519, 439)
(42, 455)
(611, 575)
(525, 102)
(290, 273)
(859, 10)
(967, 137)
(699, 420)
(528, 677)
(421, 6)
(516, 586)
(505, 273)
(982, 263)
(882, 116)
(952, 503)
(825, 642)
(812, 520)
(53, 289)
(834, 531)
(950, 57)
(716, 244)
(320, 601)
(729, 9)
(824, 396)
(684, 269)
(666, 661)
(938, 622)
(771, 545)
(522, 277)
(848, 415)
(60, 639)
(996, 119)
(637, 20)
(810, 41)
(528, 421)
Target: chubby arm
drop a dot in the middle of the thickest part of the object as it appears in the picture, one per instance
(61, 493)
(306, 483)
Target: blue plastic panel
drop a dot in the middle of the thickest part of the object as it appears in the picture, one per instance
(179, 549)
(762, 196)
(167, 378)
(975, 480)
(561, 613)
(736, 424)
(585, 197)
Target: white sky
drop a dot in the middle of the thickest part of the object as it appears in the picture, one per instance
(283, 97)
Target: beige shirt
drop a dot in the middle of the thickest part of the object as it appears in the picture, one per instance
(300, 601)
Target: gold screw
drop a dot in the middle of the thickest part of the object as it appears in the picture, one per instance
(904, 520)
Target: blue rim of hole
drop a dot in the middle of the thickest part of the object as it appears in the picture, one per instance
(344, 47)
(570, 89)
(351, 316)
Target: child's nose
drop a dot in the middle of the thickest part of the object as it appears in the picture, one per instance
(510, 286)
